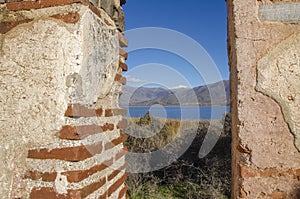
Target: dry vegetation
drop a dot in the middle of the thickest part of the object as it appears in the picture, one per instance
(189, 176)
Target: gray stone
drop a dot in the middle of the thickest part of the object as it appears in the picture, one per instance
(108, 6)
(95, 2)
(7, 1)
(283, 12)
(45, 65)
(100, 60)
(279, 78)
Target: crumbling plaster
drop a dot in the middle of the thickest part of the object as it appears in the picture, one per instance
(47, 64)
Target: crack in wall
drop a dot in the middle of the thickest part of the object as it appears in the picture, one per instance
(278, 77)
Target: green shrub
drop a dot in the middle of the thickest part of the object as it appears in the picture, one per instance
(189, 176)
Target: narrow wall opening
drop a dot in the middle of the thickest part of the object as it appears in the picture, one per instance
(177, 97)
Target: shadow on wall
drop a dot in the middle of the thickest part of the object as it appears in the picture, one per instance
(298, 193)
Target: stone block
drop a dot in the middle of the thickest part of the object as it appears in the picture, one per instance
(279, 78)
(288, 12)
(58, 64)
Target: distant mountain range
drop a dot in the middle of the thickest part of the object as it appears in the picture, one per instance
(211, 94)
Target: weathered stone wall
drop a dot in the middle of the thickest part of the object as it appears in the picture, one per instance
(60, 67)
(264, 51)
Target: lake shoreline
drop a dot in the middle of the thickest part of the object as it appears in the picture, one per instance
(172, 119)
(178, 112)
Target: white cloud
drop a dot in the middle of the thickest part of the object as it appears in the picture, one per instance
(180, 86)
(135, 80)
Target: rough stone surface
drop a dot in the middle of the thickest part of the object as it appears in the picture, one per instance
(31, 88)
(263, 138)
(101, 61)
(288, 12)
(96, 3)
(267, 187)
(114, 10)
(6, 1)
(279, 78)
(109, 5)
(51, 58)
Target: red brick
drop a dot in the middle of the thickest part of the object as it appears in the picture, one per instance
(109, 127)
(7, 26)
(116, 142)
(47, 3)
(77, 176)
(103, 196)
(73, 154)
(78, 110)
(49, 193)
(123, 53)
(72, 176)
(81, 132)
(123, 66)
(122, 40)
(115, 112)
(247, 172)
(243, 149)
(116, 172)
(47, 177)
(84, 192)
(271, 172)
(95, 10)
(123, 192)
(122, 124)
(120, 78)
(277, 194)
(107, 22)
(23, 5)
(68, 18)
(116, 185)
(28, 5)
(121, 153)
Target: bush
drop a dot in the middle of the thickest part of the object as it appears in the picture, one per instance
(189, 176)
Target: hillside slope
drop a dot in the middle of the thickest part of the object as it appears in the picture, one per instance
(211, 94)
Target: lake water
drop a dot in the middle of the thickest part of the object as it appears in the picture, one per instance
(179, 112)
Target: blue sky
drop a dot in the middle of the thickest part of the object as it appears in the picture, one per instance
(202, 21)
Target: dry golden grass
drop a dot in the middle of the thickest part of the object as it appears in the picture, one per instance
(189, 176)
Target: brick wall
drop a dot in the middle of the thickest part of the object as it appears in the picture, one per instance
(264, 52)
(61, 75)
